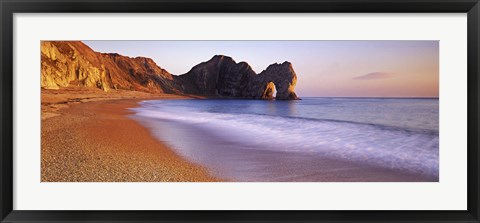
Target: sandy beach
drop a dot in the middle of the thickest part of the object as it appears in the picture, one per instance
(91, 136)
(107, 115)
(87, 137)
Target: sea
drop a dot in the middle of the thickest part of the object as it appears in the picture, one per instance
(313, 139)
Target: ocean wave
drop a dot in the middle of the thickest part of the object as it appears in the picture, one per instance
(400, 149)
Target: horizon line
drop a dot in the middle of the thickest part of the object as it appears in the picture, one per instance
(396, 97)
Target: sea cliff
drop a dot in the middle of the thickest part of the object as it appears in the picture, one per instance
(74, 64)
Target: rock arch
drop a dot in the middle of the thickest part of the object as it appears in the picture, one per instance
(279, 77)
(222, 76)
(269, 91)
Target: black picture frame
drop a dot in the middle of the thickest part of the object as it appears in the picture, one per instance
(9, 7)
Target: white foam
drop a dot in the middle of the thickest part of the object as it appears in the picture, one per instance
(392, 148)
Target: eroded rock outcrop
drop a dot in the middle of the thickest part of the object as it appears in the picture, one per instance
(222, 76)
(72, 63)
(282, 77)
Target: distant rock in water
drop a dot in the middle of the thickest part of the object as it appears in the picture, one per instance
(222, 76)
(72, 63)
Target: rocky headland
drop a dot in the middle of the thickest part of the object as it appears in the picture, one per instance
(74, 64)
(87, 135)
(222, 76)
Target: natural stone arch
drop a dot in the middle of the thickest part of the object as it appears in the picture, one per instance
(222, 76)
(269, 91)
(279, 77)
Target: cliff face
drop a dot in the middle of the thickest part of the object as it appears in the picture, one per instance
(73, 63)
(222, 76)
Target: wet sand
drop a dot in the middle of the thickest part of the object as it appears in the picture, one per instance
(91, 139)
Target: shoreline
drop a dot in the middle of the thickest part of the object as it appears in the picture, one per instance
(240, 163)
(90, 136)
(93, 140)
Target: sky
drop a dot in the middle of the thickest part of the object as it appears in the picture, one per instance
(403, 68)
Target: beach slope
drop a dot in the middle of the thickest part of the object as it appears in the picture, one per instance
(91, 139)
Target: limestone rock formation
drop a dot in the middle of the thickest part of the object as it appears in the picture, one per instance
(282, 77)
(222, 76)
(72, 63)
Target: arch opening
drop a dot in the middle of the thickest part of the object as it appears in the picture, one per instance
(270, 91)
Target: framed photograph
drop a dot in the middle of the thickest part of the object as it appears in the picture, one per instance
(239, 111)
